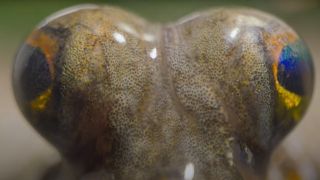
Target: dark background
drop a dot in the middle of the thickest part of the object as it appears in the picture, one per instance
(25, 155)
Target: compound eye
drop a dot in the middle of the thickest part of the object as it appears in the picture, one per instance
(294, 76)
(34, 71)
(295, 68)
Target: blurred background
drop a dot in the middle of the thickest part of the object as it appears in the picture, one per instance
(25, 155)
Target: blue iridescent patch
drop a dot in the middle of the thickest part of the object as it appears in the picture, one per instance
(294, 67)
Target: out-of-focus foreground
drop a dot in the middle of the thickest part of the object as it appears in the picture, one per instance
(26, 155)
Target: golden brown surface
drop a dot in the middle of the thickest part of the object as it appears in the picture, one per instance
(97, 100)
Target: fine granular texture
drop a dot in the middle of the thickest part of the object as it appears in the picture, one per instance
(207, 97)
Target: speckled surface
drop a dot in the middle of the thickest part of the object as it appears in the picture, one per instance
(129, 99)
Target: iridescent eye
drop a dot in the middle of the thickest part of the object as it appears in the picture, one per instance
(293, 74)
(294, 68)
(32, 75)
(35, 70)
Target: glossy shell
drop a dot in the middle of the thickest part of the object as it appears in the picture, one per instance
(207, 97)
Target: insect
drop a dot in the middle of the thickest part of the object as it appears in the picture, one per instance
(207, 97)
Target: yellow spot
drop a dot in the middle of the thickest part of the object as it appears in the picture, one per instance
(40, 103)
(290, 99)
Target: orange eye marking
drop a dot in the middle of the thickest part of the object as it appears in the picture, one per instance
(278, 42)
(47, 44)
